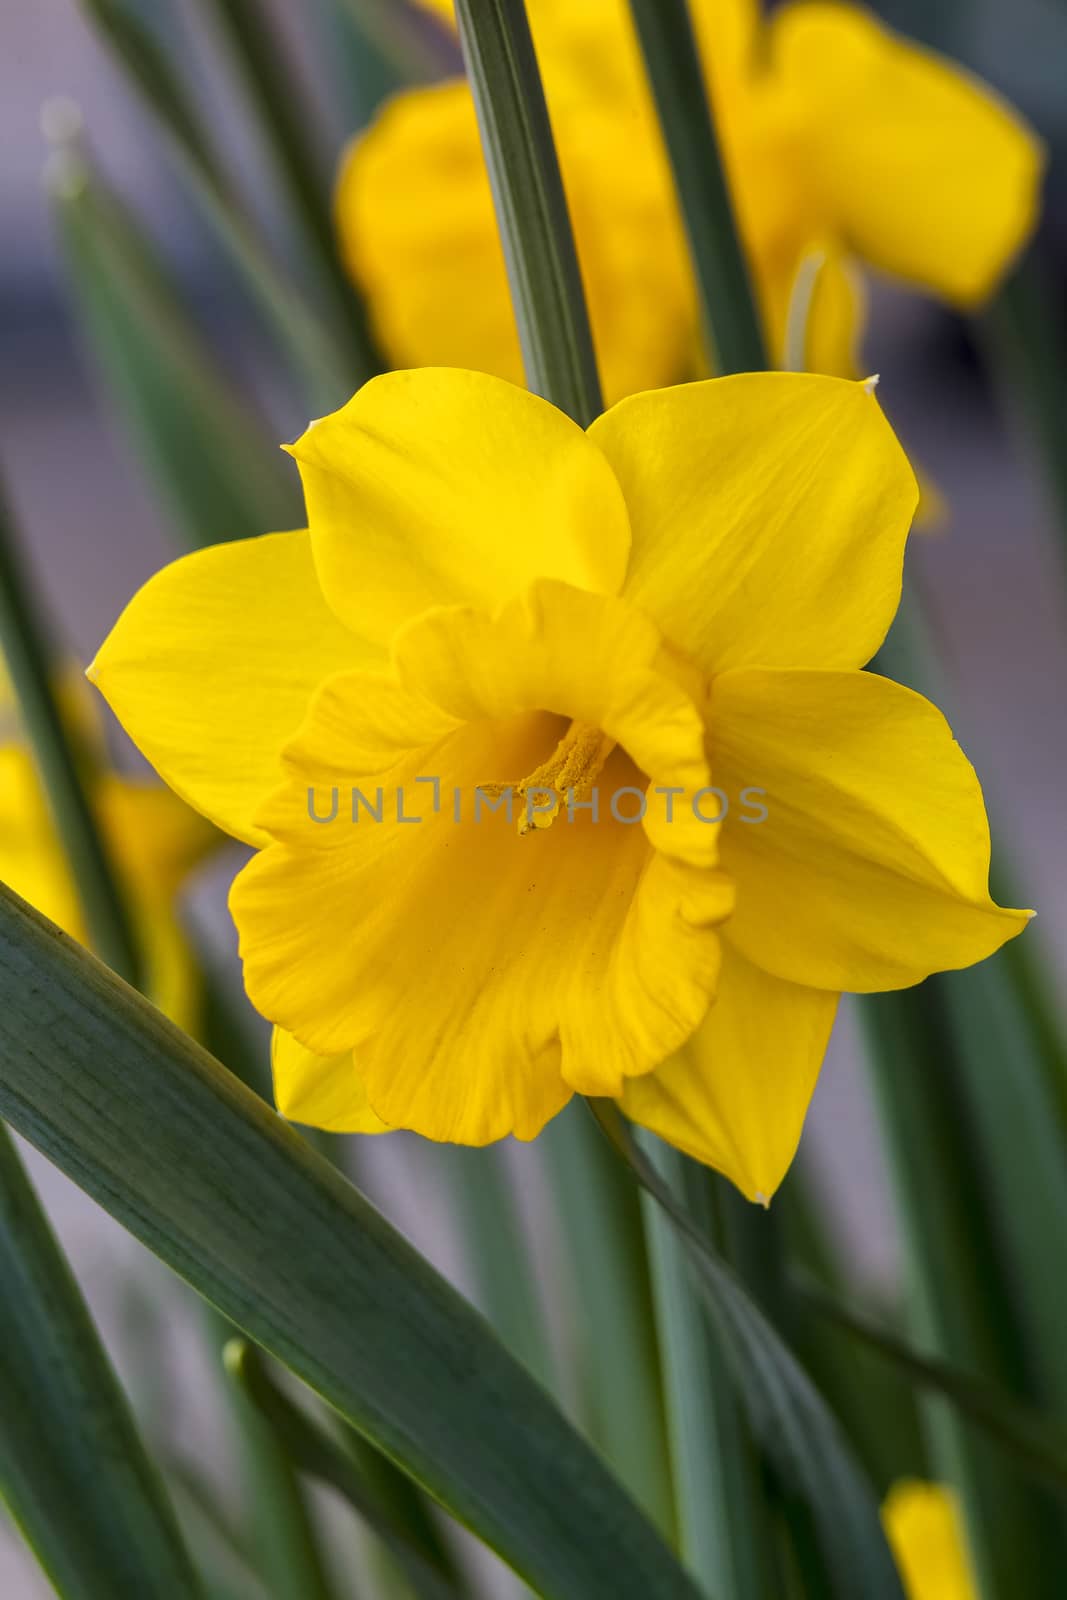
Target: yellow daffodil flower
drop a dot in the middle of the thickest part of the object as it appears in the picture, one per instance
(842, 142)
(926, 1536)
(665, 615)
(154, 839)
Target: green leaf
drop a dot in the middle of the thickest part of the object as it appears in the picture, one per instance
(327, 376)
(606, 1283)
(723, 1511)
(1027, 336)
(678, 83)
(416, 47)
(64, 769)
(799, 1435)
(959, 1299)
(235, 1201)
(73, 1470)
(274, 92)
(220, 475)
(965, 1069)
(532, 216)
(316, 1454)
(1036, 1443)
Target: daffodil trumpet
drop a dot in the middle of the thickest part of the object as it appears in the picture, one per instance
(679, 599)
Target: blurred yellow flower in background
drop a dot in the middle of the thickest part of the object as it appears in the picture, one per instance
(154, 839)
(843, 143)
(925, 1533)
(679, 598)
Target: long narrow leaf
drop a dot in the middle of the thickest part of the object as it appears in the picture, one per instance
(605, 1263)
(416, 46)
(273, 91)
(789, 1417)
(63, 769)
(327, 377)
(192, 1163)
(221, 477)
(722, 1511)
(1036, 1442)
(73, 1470)
(679, 84)
(315, 1453)
(961, 1308)
(532, 216)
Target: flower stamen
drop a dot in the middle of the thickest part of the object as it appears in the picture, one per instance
(570, 771)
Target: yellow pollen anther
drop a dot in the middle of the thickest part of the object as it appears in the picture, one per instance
(570, 771)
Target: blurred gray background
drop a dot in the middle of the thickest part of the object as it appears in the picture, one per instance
(996, 579)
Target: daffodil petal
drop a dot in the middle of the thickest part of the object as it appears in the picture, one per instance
(727, 32)
(156, 838)
(769, 515)
(439, 8)
(417, 225)
(212, 665)
(926, 1534)
(477, 976)
(836, 316)
(920, 168)
(735, 1097)
(440, 487)
(320, 1091)
(31, 858)
(417, 230)
(871, 869)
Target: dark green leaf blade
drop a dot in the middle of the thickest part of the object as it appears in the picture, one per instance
(680, 87)
(1038, 1443)
(73, 1470)
(531, 208)
(313, 1452)
(793, 1424)
(234, 1200)
(218, 472)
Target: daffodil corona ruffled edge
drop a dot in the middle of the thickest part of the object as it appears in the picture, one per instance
(839, 138)
(677, 602)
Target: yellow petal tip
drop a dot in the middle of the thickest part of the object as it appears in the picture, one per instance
(870, 384)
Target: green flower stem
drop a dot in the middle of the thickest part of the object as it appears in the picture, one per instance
(416, 48)
(73, 1470)
(1028, 343)
(607, 1267)
(722, 1511)
(838, 1534)
(277, 1522)
(1010, 1050)
(30, 664)
(961, 1310)
(976, 1152)
(272, 90)
(481, 1193)
(315, 1453)
(674, 68)
(218, 472)
(326, 376)
(876, 1401)
(535, 229)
